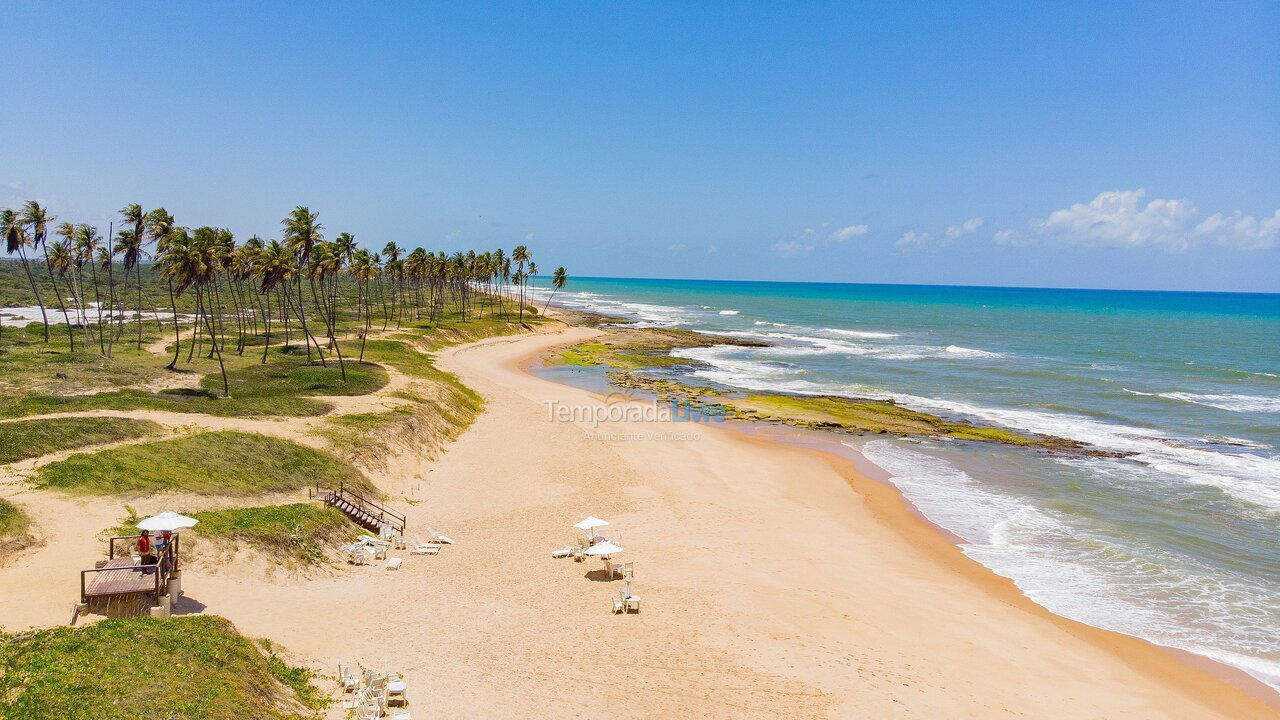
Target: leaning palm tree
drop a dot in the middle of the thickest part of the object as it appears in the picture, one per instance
(65, 259)
(274, 269)
(301, 233)
(558, 280)
(106, 259)
(61, 261)
(192, 261)
(87, 244)
(160, 224)
(129, 248)
(16, 240)
(39, 218)
(132, 214)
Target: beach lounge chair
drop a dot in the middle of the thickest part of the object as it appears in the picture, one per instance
(439, 537)
(397, 691)
(564, 552)
(426, 549)
(394, 563)
(401, 715)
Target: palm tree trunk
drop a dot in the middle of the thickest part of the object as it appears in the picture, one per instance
(111, 304)
(226, 389)
(39, 300)
(71, 336)
(266, 325)
(306, 334)
(97, 300)
(138, 267)
(177, 335)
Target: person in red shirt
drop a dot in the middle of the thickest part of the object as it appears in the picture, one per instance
(146, 549)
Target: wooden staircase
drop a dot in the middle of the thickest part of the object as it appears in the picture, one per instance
(365, 512)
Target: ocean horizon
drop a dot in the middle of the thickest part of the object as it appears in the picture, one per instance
(1174, 542)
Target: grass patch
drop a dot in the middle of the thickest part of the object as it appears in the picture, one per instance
(34, 438)
(300, 533)
(195, 668)
(438, 408)
(183, 401)
(15, 529)
(298, 378)
(210, 463)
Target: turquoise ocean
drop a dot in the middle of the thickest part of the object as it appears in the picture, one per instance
(1177, 543)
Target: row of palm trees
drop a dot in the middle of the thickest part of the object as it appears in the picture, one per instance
(331, 286)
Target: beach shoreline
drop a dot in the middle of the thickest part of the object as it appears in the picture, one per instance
(1226, 688)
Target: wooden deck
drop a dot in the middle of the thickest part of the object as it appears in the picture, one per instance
(121, 577)
(118, 576)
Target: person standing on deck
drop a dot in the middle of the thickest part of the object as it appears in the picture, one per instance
(146, 549)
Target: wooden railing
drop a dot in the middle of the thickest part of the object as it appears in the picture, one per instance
(165, 567)
(376, 511)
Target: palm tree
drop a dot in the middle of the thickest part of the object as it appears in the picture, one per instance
(193, 261)
(16, 240)
(520, 256)
(301, 233)
(39, 218)
(66, 258)
(106, 259)
(87, 244)
(558, 280)
(132, 213)
(60, 260)
(160, 224)
(129, 248)
(275, 268)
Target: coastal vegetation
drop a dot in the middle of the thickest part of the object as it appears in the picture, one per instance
(33, 438)
(298, 533)
(194, 667)
(15, 528)
(233, 296)
(207, 463)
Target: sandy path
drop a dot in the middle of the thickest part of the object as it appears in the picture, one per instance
(772, 587)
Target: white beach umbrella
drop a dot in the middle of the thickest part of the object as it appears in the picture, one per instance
(590, 524)
(167, 520)
(603, 549)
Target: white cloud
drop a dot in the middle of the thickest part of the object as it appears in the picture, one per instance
(1243, 232)
(792, 248)
(713, 249)
(1119, 218)
(1009, 236)
(847, 232)
(964, 228)
(675, 247)
(528, 237)
(913, 239)
(810, 239)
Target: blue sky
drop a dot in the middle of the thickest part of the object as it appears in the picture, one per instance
(1085, 145)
